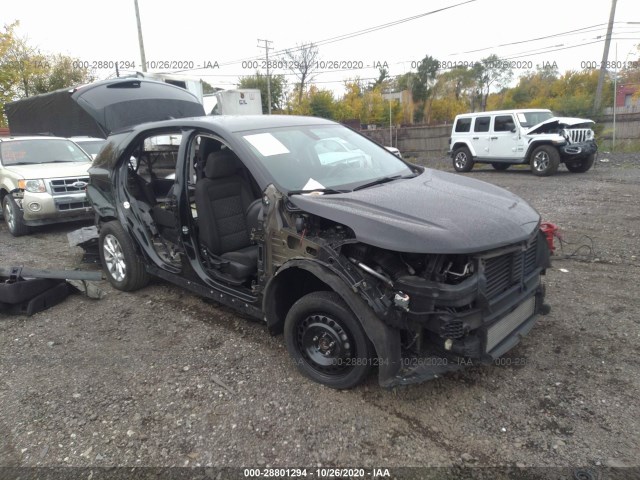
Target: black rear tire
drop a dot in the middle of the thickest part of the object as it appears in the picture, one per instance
(545, 161)
(581, 166)
(462, 160)
(501, 166)
(327, 341)
(122, 265)
(13, 217)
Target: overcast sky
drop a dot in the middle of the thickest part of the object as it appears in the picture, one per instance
(199, 33)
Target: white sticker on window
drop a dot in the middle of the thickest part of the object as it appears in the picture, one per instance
(313, 185)
(522, 118)
(266, 144)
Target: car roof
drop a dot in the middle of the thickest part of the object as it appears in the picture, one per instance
(235, 123)
(503, 112)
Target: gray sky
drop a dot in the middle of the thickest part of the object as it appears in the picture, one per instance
(200, 33)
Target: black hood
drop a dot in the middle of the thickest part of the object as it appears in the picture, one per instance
(100, 108)
(435, 212)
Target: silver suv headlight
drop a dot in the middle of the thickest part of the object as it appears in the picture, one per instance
(33, 186)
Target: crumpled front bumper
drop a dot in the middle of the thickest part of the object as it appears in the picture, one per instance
(575, 151)
(499, 333)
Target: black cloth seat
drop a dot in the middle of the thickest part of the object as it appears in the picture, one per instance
(223, 197)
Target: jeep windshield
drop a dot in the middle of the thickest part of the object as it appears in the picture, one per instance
(529, 119)
(322, 158)
(40, 151)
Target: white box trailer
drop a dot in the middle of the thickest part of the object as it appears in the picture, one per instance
(234, 102)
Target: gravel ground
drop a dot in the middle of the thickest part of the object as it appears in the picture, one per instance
(161, 378)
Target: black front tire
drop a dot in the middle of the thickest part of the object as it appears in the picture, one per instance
(327, 341)
(581, 166)
(501, 167)
(462, 160)
(13, 217)
(122, 265)
(545, 161)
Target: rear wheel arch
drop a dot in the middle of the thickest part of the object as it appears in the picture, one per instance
(458, 145)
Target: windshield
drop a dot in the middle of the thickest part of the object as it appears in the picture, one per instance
(30, 152)
(92, 147)
(322, 157)
(529, 119)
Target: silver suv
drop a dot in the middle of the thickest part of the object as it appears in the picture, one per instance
(524, 136)
(42, 180)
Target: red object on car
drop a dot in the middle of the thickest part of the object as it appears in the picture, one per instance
(549, 229)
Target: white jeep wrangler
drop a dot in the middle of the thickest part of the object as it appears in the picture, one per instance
(524, 136)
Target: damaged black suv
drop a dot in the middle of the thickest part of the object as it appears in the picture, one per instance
(360, 258)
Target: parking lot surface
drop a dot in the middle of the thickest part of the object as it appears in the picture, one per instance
(159, 377)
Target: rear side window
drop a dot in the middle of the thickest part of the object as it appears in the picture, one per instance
(482, 124)
(463, 125)
(503, 123)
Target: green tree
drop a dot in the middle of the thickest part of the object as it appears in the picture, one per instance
(259, 81)
(60, 71)
(208, 89)
(490, 72)
(383, 78)
(321, 103)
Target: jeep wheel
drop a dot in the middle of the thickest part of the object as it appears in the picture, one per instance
(326, 341)
(581, 166)
(545, 161)
(462, 160)
(501, 166)
(13, 217)
(120, 262)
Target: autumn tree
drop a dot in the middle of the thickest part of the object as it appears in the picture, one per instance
(373, 107)
(8, 74)
(350, 106)
(26, 71)
(278, 88)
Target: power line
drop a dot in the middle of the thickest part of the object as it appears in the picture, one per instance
(345, 36)
(560, 34)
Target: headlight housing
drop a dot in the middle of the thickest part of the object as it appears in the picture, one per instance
(33, 186)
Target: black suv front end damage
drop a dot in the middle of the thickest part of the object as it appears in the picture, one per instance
(426, 314)
(453, 310)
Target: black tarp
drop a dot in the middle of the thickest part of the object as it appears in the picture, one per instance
(99, 108)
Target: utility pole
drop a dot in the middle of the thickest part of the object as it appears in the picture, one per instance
(267, 46)
(605, 57)
(142, 56)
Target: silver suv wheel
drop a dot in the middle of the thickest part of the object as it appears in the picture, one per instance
(9, 217)
(114, 258)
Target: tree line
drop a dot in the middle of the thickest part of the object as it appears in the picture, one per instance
(433, 93)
